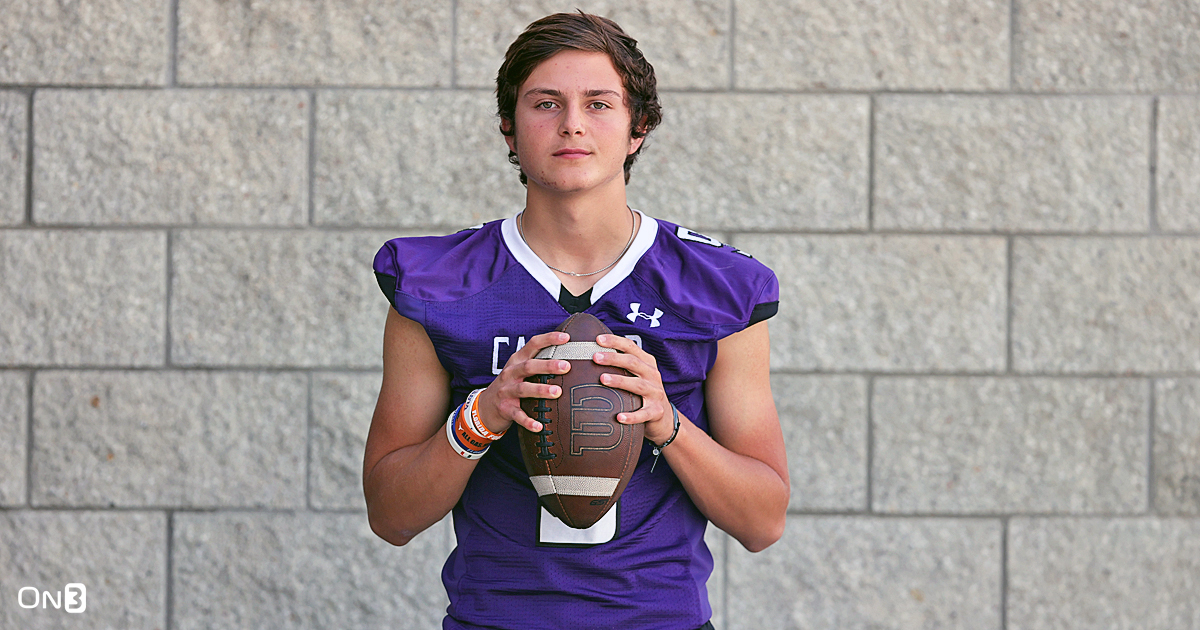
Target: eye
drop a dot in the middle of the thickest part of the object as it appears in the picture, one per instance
(598, 105)
(544, 105)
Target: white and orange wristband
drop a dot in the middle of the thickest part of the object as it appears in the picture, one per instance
(468, 436)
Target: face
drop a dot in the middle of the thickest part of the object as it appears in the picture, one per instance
(572, 125)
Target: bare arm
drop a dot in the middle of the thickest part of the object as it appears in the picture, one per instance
(738, 477)
(411, 476)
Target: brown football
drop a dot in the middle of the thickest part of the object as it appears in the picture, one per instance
(583, 458)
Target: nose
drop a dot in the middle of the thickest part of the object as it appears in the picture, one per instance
(572, 122)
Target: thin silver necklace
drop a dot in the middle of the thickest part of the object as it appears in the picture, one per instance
(632, 233)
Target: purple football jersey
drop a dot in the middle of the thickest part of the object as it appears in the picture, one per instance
(479, 294)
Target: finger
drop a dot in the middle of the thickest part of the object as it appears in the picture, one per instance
(538, 342)
(518, 416)
(627, 346)
(617, 342)
(534, 367)
(527, 389)
(631, 384)
(529, 423)
(629, 362)
(648, 413)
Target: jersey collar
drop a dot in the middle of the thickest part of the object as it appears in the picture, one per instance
(545, 276)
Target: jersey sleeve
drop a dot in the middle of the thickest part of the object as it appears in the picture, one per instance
(414, 272)
(767, 303)
(711, 284)
(389, 269)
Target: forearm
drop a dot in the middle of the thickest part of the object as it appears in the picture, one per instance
(743, 496)
(412, 476)
(413, 487)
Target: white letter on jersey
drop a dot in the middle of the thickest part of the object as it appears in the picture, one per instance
(688, 235)
(496, 341)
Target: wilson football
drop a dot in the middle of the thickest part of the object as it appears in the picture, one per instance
(583, 458)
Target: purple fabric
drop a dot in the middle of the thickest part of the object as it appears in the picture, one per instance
(478, 304)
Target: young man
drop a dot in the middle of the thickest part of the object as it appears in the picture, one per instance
(470, 311)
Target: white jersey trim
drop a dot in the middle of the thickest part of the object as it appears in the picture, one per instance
(545, 276)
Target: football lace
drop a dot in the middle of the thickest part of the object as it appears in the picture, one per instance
(542, 409)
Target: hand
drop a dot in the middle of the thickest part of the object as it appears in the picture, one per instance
(645, 382)
(500, 403)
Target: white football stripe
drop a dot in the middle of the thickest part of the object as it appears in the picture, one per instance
(574, 486)
(572, 351)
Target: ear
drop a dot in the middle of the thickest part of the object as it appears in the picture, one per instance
(506, 128)
(635, 144)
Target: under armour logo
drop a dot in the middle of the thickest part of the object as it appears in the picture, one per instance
(634, 314)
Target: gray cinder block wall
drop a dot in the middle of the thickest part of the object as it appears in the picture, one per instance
(985, 216)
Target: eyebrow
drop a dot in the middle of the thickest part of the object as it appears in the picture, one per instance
(557, 94)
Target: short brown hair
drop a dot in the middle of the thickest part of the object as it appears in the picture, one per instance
(589, 33)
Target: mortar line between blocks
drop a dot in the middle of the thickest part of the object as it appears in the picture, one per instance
(170, 269)
(453, 44)
(169, 594)
(172, 41)
(308, 444)
(732, 44)
(1152, 201)
(871, 163)
(29, 439)
(1151, 487)
(29, 158)
(1012, 43)
(1008, 305)
(312, 156)
(683, 89)
(868, 508)
(1004, 573)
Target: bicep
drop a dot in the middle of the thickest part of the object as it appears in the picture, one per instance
(741, 410)
(414, 397)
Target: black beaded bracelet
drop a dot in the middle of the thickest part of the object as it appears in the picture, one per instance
(658, 448)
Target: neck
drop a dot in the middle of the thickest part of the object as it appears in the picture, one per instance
(578, 235)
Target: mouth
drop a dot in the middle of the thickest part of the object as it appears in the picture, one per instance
(571, 153)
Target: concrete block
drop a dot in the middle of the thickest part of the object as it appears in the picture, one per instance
(1081, 45)
(278, 298)
(303, 570)
(1177, 446)
(1111, 306)
(120, 558)
(82, 298)
(1103, 573)
(342, 408)
(173, 157)
(897, 303)
(687, 41)
(412, 159)
(989, 445)
(824, 422)
(14, 420)
(175, 439)
(847, 572)
(14, 138)
(756, 161)
(862, 45)
(101, 42)
(1012, 163)
(1179, 163)
(299, 42)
